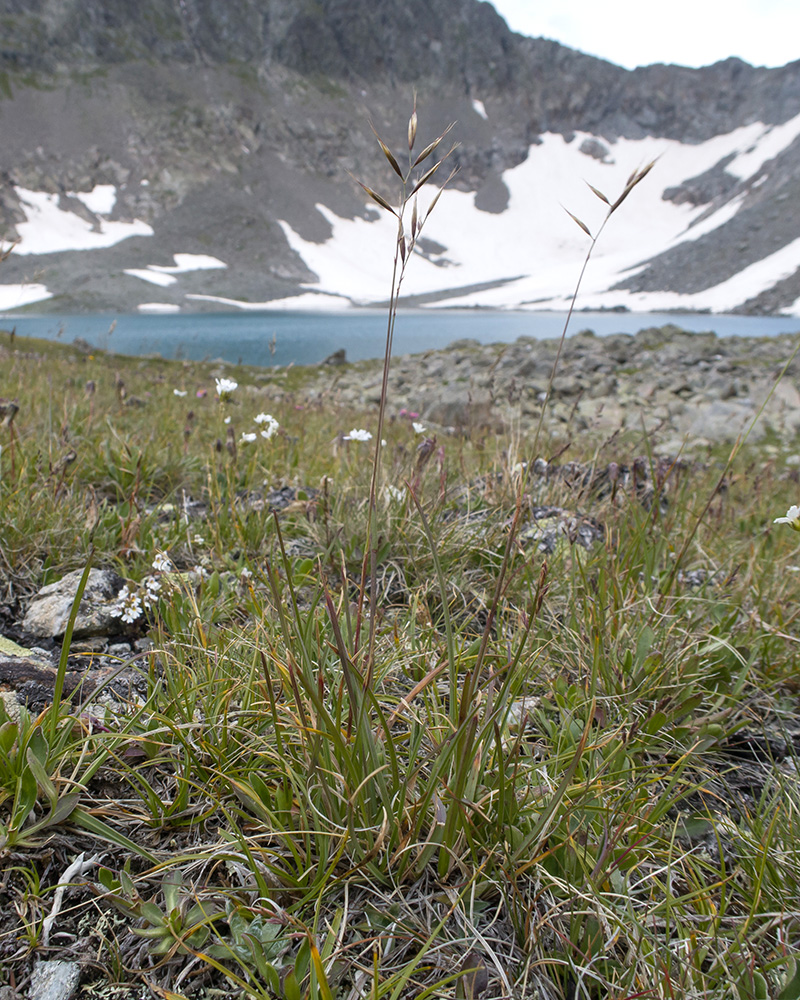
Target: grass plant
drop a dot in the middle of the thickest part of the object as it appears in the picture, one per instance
(383, 741)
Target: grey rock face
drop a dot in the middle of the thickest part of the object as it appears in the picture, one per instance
(55, 980)
(240, 113)
(49, 611)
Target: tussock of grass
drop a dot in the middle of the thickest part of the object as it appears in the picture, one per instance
(526, 731)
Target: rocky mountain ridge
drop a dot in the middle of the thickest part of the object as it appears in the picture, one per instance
(222, 126)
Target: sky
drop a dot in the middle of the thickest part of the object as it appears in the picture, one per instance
(631, 33)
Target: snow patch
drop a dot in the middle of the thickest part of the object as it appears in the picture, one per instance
(163, 275)
(308, 302)
(480, 109)
(50, 229)
(100, 200)
(16, 296)
(154, 277)
(158, 307)
(771, 141)
(190, 262)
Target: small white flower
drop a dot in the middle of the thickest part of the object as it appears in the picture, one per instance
(358, 435)
(419, 428)
(518, 468)
(271, 425)
(152, 584)
(226, 386)
(792, 518)
(162, 563)
(395, 492)
(198, 540)
(128, 606)
(227, 420)
(247, 438)
(179, 392)
(245, 573)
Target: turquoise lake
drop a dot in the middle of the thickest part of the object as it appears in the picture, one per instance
(271, 338)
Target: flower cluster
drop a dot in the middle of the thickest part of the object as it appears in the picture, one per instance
(133, 601)
(128, 606)
(226, 387)
(358, 435)
(269, 425)
(269, 428)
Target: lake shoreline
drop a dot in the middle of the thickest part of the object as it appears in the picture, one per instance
(278, 339)
(687, 389)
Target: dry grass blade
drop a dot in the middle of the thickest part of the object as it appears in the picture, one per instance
(635, 178)
(379, 199)
(412, 127)
(599, 193)
(576, 220)
(438, 195)
(388, 154)
(426, 177)
(426, 152)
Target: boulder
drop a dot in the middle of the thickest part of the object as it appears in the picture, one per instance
(49, 611)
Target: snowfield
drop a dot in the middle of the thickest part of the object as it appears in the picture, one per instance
(534, 251)
(526, 257)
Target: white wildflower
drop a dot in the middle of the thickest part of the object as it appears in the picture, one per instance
(395, 493)
(227, 420)
(179, 392)
(150, 593)
(247, 438)
(271, 425)
(198, 540)
(792, 518)
(225, 387)
(419, 428)
(128, 606)
(162, 563)
(358, 435)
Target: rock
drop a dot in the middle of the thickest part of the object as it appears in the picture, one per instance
(10, 648)
(337, 358)
(57, 980)
(721, 420)
(49, 611)
(459, 405)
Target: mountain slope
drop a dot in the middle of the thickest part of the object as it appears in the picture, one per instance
(229, 129)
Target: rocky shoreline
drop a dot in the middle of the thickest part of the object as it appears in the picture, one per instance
(686, 389)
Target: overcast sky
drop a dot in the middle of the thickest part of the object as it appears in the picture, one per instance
(688, 32)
